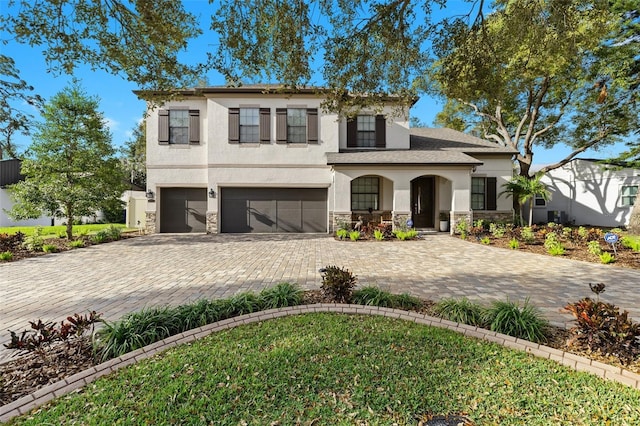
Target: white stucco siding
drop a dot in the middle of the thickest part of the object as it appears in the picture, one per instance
(501, 168)
(397, 130)
(221, 152)
(158, 154)
(6, 203)
(588, 194)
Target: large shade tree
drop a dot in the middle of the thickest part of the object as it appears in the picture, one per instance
(16, 98)
(70, 169)
(538, 73)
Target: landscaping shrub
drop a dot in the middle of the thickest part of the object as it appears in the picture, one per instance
(485, 240)
(514, 244)
(606, 258)
(378, 234)
(354, 235)
(49, 248)
(243, 303)
(34, 242)
(6, 255)
(373, 296)
(281, 295)
(527, 234)
(630, 242)
(409, 234)
(522, 322)
(337, 284)
(100, 237)
(406, 301)
(44, 334)
(600, 327)
(76, 244)
(114, 233)
(593, 247)
(461, 310)
(136, 330)
(498, 230)
(462, 228)
(342, 233)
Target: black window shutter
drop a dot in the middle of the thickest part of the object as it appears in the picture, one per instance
(381, 131)
(234, 125)
(312, 125)
(163, 126)
(265, 125)
(352, 132)
(281, 125)
(492, 202)
(194, 126)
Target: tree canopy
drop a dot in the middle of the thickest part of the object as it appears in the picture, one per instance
(13, 119)
(139, 39)
(536, 73)
(70, 168)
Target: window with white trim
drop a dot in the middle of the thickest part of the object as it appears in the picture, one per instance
(628, 194)
(365, 193)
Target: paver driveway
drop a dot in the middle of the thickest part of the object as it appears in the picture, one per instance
(128, 275)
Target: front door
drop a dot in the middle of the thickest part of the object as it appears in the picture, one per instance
(423, 202)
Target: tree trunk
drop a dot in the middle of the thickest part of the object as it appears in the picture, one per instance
(69, 222)
(634, 219)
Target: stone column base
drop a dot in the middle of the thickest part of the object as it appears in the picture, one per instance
(338, 220)
(150, 223)
(212, 222)
(400, 219)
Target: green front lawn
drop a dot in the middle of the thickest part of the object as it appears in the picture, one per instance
(55, 231)
(339, 369)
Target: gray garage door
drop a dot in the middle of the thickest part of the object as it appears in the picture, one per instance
(183, 209)
(273, 210)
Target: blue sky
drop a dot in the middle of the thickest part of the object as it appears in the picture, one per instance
(123, 110)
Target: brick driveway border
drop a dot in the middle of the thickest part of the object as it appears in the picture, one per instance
(171, 269)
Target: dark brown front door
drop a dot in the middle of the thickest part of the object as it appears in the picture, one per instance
(423, 202)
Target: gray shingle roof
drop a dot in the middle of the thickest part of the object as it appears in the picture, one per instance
(428, 146)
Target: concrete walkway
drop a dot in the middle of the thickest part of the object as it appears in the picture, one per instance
(128, 275)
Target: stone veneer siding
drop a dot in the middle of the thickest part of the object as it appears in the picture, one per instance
(336, 218)
(494, 216)
(150, 223)
(399, 219)
(212, 222)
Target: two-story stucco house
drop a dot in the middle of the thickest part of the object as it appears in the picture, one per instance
(257, 159)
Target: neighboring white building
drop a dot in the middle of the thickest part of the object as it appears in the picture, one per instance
(255, 159)
(10, 174)
(588, 192)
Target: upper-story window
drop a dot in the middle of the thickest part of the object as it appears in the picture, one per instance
(250, 125)
(297, 125)
(179, 126)
(367, 131)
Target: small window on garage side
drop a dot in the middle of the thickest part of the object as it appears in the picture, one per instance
(629, 194)
(365, 193)
(539, 201)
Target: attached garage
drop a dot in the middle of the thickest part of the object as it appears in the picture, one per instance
(264, 210)
(183, 210)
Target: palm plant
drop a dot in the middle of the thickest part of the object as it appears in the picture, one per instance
(523, 189)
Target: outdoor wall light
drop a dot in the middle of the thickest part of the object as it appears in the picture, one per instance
(150, 194)
(212, 193)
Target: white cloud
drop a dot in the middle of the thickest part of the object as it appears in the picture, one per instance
(111, 124)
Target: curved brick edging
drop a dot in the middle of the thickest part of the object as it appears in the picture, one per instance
(76, 381)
